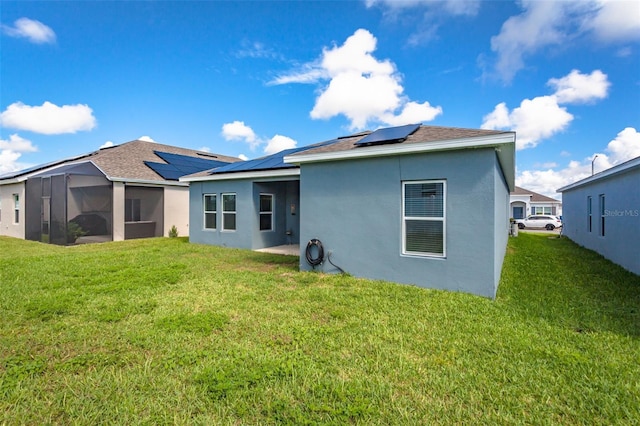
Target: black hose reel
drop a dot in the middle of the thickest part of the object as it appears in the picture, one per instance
(314, 252)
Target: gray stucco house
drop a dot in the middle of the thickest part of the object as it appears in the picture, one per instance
(602, 213)
(122, 192)
(421, 205)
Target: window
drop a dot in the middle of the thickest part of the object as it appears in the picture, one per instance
(16, 208)
(423, 213)
(228, 212)
(210, 211)
(589, 213)
(541, 210)
(132, 210)
(602, 215)
(266, 212)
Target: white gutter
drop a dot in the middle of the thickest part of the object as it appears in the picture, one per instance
(609, 172)
(289, 172)
(397, 149)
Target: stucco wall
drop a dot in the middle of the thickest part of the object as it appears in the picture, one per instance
(355, 209)
(621, 242)
(7, 225)
(247, 234)
(240, 238)
(176, 210)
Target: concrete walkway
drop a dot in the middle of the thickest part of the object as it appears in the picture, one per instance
(288, 249)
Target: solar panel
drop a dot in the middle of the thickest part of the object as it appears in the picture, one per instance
(388, 135)
(181, 165)
(270, 162)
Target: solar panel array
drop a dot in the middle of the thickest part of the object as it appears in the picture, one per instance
(270, 162)
(388, 135)
(181, 165)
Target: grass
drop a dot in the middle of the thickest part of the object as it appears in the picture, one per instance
(165, 332)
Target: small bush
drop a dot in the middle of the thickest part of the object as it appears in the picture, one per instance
(173, 232)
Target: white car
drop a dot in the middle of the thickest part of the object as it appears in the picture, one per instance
(545, 221)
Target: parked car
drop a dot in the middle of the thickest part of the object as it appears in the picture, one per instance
(545, 221)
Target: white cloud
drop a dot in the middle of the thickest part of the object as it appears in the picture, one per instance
(205, 149)
(615, 21)
(256, 50)
(11, 150)
(543, 116)
(48, 119)
(243, 157)
(239, 131)
(17, 144)
(533, 120)
(624, 147)
(146, 139)
(576, 88)
(9, 161)
(361, 87)
(558, 23)
(279, 143)
(107, 144)
(453, 7)
(34, 31)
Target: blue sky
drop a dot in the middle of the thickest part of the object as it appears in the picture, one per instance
(249, 78)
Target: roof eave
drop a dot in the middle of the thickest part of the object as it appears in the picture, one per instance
(503, 142)
(620, 168)
(286, 172)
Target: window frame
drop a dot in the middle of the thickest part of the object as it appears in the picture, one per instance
(264, 213)
(442, 219)
(229, 212)
(206, 212)
(590, 213)
(601, 199)
(16, 209)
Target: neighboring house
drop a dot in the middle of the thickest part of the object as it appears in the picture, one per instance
(121, 192)
(420, 205)
(525, 203)
(602, 213)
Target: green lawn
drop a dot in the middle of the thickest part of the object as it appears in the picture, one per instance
(166, 332)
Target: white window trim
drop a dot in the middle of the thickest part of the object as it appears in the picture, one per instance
(590, 213)
(602, 208)
(16, 209)
(234, 212)
(204, 212)
(272, 212)
(443, 220)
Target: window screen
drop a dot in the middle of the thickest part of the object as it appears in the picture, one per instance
(210, 211)
(266, 212)
(424, 218)
(228, 212)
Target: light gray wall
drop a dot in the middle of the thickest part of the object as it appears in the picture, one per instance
(354, 208)
(7, 225)
(621, 243)
(247, 234)
(241, 237)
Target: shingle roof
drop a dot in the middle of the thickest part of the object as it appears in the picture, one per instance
(268, 162)
(535, 197)
(423, 134)
(127, 160)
